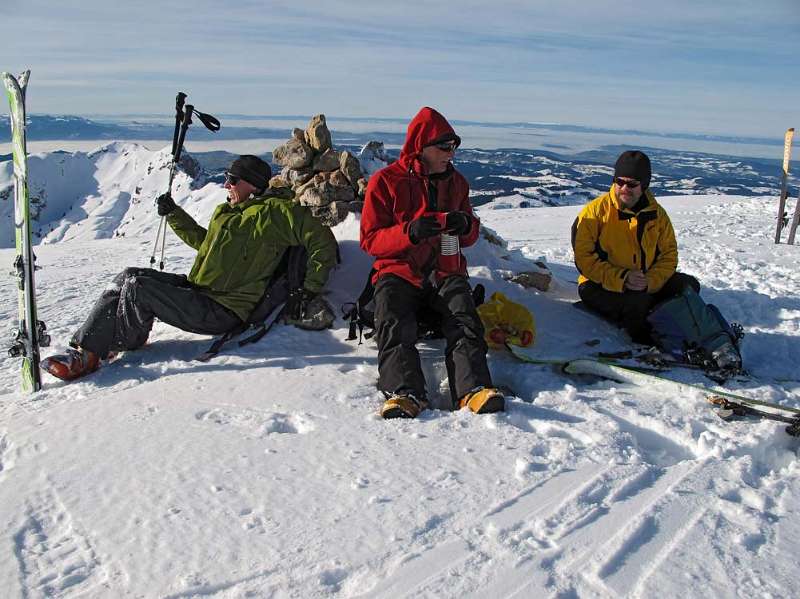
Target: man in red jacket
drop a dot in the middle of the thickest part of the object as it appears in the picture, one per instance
(416, 217)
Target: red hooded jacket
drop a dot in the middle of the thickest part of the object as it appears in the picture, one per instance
(399, 193)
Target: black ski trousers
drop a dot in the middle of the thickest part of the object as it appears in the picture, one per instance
(629, 309)
(397, 303)
(122, 317)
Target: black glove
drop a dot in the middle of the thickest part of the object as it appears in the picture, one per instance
(296, 304)
(422, 228)
(165, 204)
(458, 223)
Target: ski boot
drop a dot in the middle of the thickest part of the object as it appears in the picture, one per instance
(403, 405)
(483, 400)
(71, 365)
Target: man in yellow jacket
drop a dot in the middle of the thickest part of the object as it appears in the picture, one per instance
(625, 250)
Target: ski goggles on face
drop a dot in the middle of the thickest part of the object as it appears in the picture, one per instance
(448, 146)
(629, 183)
(232, 179)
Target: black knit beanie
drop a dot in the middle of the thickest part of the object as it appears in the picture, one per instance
(635, 165)
(253, 170)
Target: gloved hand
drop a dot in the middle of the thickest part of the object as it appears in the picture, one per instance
(423, 228)
(165, 204)
(458, 223)
(296, 304)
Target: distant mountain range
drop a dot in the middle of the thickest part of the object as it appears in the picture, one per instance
(49, 127)
(110, 192)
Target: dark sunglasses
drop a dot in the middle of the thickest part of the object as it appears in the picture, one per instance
(232, 179)
(449, 146)
(623, 183)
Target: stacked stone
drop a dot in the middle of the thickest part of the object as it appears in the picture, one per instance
(329, 182)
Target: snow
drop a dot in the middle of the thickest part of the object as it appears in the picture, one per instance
(266, 472)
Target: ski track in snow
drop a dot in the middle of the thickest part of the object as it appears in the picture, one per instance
(55, 558)
(267, 472)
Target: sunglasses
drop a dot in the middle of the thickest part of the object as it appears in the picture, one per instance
(623, 183)
(231, 179)
(449, 146)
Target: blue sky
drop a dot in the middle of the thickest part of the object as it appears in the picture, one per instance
(715, 66)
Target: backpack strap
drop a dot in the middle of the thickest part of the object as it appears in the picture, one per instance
(352, 311)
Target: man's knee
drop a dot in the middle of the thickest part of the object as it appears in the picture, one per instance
(684, 281)
(120, 278)
(676, 285)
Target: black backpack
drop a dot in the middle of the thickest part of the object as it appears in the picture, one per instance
(290, 274)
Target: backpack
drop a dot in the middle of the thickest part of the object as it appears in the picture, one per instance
(361, 314)
(290, 274)
(695, 332)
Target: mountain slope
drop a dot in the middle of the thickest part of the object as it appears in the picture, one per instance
(109, 192)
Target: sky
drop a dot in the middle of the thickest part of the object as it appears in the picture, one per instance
(708, 66)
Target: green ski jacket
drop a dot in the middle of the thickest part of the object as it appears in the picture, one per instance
(244, 244)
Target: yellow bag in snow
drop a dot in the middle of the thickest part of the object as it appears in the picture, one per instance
(507, 322)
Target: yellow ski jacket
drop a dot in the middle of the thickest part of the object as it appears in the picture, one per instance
(609, 240)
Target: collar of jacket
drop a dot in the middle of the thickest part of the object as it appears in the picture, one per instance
(417, 167)
(627, 213)
(283, 193)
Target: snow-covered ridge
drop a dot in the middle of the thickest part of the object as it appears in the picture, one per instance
(106, 193)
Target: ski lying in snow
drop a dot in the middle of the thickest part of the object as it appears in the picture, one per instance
(645, 377)
(728, 410)
(31, 332)
(660, 362)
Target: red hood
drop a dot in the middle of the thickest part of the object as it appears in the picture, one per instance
(425, 128)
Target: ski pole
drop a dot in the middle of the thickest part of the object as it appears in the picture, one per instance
(185, 122)
(180, 100)
(183, 118)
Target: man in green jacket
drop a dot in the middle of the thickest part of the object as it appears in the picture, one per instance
(237, 256)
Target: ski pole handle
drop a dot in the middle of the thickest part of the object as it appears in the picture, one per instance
(180, 100)
(187, 120)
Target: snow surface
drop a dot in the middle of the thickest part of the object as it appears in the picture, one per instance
(266, 472)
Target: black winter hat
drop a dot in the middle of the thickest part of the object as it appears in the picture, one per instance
(253, 170)
(634, 164)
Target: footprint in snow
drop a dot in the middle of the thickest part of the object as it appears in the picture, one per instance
(258, 423)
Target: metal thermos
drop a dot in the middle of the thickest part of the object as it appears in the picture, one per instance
(449, 254)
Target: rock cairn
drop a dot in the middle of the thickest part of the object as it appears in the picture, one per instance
(330, 182)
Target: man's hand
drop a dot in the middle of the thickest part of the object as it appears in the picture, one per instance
(296, 304)
(635, 280)
(458, 223)
(165, 204)
(423, 228)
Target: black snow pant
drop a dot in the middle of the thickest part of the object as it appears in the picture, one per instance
(123, 316)
(629, 309)
(396, 305)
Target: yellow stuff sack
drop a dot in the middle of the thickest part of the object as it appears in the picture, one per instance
(507, 322)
